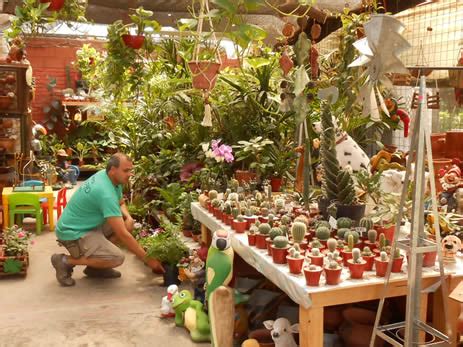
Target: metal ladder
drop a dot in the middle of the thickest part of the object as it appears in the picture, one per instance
(413, 331)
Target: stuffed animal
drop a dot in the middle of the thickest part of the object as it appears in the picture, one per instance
(282, 332)
(348, 152)
(451, 244)
(167, 310)
(189, 313)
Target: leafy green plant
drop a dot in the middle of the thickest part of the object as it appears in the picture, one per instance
(141, 20)
(171, 202)
(253, 153)
(15, 241)
(81, 150)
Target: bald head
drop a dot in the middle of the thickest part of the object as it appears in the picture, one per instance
(115, 161)
(119, 168)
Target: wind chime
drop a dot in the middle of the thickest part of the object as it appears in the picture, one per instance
(432, 101)
(205, 72)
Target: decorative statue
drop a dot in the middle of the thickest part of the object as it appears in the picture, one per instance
(450, 181)
(388, 159)
(282, 332)
(167, 310)
(196, 273)
(451, 244)
(189, 313)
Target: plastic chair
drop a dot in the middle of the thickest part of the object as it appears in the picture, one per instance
(61, 202)
(25, 203)
(43, 201)
(32, 183)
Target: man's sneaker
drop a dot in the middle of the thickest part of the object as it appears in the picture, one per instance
(101, 273)
(63, 271)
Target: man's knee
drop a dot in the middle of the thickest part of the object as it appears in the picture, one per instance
(118, 259)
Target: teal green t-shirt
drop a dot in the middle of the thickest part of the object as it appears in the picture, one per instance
(96, 199)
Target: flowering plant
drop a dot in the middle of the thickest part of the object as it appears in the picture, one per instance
(220, 152)
(213, 176)
(15, 241)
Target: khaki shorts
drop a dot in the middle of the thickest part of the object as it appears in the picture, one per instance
(96, 244)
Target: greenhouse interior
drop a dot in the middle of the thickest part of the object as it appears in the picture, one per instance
(231, 173)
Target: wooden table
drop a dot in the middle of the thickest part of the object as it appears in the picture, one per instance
(313, 300)
(46, 193)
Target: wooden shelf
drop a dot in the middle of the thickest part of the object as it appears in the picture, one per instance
(78, 103)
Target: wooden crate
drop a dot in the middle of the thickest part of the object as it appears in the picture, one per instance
(24, 260)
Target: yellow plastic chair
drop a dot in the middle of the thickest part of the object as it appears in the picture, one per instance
(25, 203)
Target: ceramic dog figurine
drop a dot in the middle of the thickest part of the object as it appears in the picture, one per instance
(282, 331)
(451, 244)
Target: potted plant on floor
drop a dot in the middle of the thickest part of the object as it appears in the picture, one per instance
(14, 256)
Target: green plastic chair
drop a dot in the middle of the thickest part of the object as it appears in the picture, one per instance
(25, 203)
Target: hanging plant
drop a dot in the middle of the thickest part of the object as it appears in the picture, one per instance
(54, 5)
(141, 20)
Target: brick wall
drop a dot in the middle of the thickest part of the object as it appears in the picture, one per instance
(49, 57)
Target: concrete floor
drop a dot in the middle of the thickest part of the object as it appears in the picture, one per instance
(37, 311)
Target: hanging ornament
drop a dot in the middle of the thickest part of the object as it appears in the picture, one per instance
(433, 101)
(314, 69)
(315, 31)
(78, 117)
(288, 30)
(207, 120)
(286, 63)
(405, 118)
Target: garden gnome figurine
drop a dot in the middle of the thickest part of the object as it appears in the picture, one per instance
(167, 310)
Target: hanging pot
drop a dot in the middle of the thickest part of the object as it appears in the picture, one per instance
(55, 5)
(204, 74)
(133, 41)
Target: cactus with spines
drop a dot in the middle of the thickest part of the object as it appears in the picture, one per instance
(340, 244)
(372, 235)
(264, 211)
(366, 222)
(346, 188)
(336, 255)
(227, 208)
(279, 204)
(264, 228)
(313, 267)
(397, 253)
(215, 202)
(234, 184)
(265, 204)
(331, 243)
(280, 242)
(233, 197)
(383, 256)
(254, 210)
(366, 251)
(248, 212)
(285, 219)
(356, 256)
(333, 265)
(240, 218)
(322, 223)
(213, 194)
(354, 234)
(284, 229)
(274, 232)
(322, 233)
(298, 231)
(316, 244)
(350, 242)
(382, 242)
(315, 252)
(271, 218)
(256, 223)
(330, 164)
(235, 212)
(303, 219)
(294, 253)
(344, 222)
(243, 206)
(253, 230)
(341, 232)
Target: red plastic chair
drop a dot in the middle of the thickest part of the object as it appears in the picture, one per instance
(61, 203)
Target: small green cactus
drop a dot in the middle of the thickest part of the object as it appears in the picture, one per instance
(235, 212)
(298, 231)
(322, 233)
(271, 219)
(264, 211)
(366, 251)
(264, 228)
(316, 244)
(257, 223)
(240, 218)
(333, 265)
(280, 242)
(294, 253)
(227, 208)
(213, 194)
(382, 242)
(285, 219)
(274, 232)
(315, 252)
(372, 235)
(354, 234)
(397, 253)
(303, 219)
(366, 222)
(215, 202)
(332, 243)
(248, 212)
(383, 256)
(356, 256)
(323, 223)
(344, 222)
(284, 229)
(350, 242)
(341, 232)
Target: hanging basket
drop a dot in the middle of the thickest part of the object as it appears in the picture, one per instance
(55, 5)
(204, 74)
(133, 41)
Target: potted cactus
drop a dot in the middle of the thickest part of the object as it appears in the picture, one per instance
(369, 257)
(295, 260)
(323, 234)
(366, 223)
(341, 233)
(312, 275)
(372, 235)
(355, 235)
(274, 232)
(344, 222)
(333, 273)
(397, 261)
(347, 252)
(280, 249)
(227, 217)
(239, 224)
(331, 245)
(264, 230)
(252, 235)
(316, 244)
(356, 264)
(250, 217)
(382, 243)
(381, 264)
(316, 257)
(298, 231)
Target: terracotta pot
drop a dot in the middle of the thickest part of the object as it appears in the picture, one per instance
(438, 145)
(429, 259)
(454, 144)
(245, 176)
(370, 260)
(260, 241)
(333, 276)
(55, 5)
(279, 254)
(275, 183)
(295, 264)
(380, 267)
(250, 221)
(356, 269)
(269, 243)
(187, 233)
(345, 257)
(204, 74)
(263, 219)
(239, 227)
(388, 232)
(440, 164)
(316, 260)
(133, 41)
(229, 219)
(397, 264)
(312, 278)
(252, 239)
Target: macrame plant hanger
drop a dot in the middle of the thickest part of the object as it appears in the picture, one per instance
(202, 68)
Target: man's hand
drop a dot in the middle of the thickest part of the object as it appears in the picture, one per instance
(155, 265)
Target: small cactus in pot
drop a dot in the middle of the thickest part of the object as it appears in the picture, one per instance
(213, 194)
(367, 223)
(303, 219)
(280, 249)
(264, 230)
(331, 244)
(372, 235)
(342, 232)
(333, 273)
(274, 232)
(369, 257)
(347, 252)
(280, 242)
(355, 235)
(285, 219)
(295, 260)
(316, 257)
(316, 244)
(398, 260)
(322, 233)
(381, 263)
(252, 235)
(239, 224)
(356, 264)
(344, 222)
(312, 274)
(298, 231)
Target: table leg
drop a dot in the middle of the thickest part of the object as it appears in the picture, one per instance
(206, 236)
(6, 212)
(423, 313)
(311, 327)
(51, 220)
